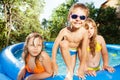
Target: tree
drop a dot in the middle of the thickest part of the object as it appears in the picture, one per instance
(58, 19)
(109, 25)
(20, 17)
(93, 11)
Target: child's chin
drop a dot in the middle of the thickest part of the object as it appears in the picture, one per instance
(89, 37)
(77, 27)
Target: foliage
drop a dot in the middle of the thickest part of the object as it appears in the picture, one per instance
(109, 25)
(58, 19)
(93, 11)
(2, 34)
(19, 18)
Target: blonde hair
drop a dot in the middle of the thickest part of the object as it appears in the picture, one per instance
(78, 5)
(26, 52)
(92, 43)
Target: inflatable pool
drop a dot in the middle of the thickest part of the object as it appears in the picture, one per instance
(10, 66)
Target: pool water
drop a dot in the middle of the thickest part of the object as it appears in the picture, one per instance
(114, 59)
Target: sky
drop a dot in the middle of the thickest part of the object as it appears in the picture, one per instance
(51, 4)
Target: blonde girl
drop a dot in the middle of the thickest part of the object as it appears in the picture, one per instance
(37, 61)
(96, 49)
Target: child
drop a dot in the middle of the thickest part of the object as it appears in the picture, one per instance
(97, 47)
(37, 61)
(69, 39)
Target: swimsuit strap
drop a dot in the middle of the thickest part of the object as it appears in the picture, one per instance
(97, 48)
(38, 68)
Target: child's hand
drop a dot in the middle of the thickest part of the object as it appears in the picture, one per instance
(55, 69)
(91, 72)
(80, 73)
(26, 78)
(110, 69)
(20, 77)
(21, 74)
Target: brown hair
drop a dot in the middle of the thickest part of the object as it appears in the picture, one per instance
(92, 43)
(78, 5)
(26, 52)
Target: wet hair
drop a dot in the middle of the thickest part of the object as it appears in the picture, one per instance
(78, 5)
(93, 42)
(25, 51)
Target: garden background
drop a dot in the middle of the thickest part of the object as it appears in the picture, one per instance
(18, 18)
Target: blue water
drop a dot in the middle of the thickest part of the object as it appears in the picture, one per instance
(114, 59)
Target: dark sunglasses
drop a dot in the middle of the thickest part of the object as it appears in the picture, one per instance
(74, 16)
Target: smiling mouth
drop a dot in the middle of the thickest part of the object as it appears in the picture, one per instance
(35, 52)
(76, 22)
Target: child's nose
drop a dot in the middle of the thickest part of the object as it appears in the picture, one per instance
(88, 31)
(78, 18)
(35, 46)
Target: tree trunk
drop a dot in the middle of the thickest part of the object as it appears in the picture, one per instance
(8, 20)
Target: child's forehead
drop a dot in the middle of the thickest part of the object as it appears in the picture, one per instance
(34, 39)
(79, 11)
(90, 25)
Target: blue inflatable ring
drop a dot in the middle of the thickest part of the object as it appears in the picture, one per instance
(10, 66)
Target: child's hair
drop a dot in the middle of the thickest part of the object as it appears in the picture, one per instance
(78, 5)
(92, 43)
(26, 52)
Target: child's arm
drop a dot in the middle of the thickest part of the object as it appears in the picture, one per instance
(79, 53)
(47, 65)
(82, 66)
(105, 55)
(48, 69)
(104, 51)
(21, 73)
(54, 51)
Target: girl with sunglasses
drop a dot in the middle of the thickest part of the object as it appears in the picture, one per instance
(96, 48)
(70, 39)
(38, 65)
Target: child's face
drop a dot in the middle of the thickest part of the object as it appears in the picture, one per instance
(35, 46)
(91, 30)
(77, 18)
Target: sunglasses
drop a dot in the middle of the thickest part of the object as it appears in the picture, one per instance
(74, 16)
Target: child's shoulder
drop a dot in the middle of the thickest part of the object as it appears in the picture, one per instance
(44, 54)
(65, 29)
(100, 38)
(62, 29)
